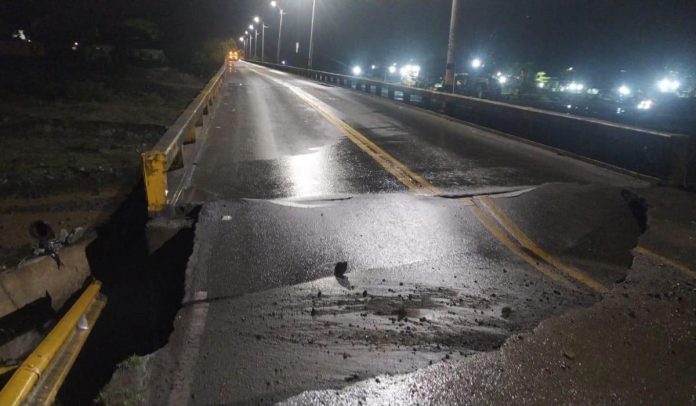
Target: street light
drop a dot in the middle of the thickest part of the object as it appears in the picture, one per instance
(451, 45)
(280, 29)
(311, 36)
(246, 32)
(357, 70)
(476, 63)
(624, 90)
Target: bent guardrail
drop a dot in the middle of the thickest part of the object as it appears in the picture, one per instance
(40, 376)
(168, 153)
(660, 155)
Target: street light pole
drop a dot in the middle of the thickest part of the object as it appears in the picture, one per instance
(280, 30)
(311, 36)
(256, 43)
(450, 69)
(263, 41)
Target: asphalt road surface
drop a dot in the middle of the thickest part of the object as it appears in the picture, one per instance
(456, 239)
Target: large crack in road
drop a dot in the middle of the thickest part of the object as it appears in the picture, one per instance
(426, 284)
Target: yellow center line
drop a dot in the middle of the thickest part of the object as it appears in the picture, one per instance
(405, 175)
(526, 242)
(494, 229)
(417, 183)
(670, 262)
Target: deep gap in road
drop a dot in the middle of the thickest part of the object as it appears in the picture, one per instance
(144, 293)
(639, 208)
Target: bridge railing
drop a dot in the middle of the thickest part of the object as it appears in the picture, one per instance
(39, 377)
(168, 153)
(657, 155)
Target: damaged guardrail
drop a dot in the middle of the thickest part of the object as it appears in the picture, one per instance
(168, 153)
(665, 156)
(38, 379)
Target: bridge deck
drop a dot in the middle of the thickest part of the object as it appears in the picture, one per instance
(296, 176)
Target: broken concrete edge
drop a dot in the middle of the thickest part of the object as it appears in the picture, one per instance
(595, 353)
(526, 363)
(161, 229)
(41, 276)
(128, 384)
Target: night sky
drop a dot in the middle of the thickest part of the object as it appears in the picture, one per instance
(597, 36)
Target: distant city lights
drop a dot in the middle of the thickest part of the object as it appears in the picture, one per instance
(645, 104)
(574, 87)
(667, 85)
(409, 70)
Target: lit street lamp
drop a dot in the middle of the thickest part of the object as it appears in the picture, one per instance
(258, 20)
(248, 41)
(280, 29)
(251, 38)
(476, 63)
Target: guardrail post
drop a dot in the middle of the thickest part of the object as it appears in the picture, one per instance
(155, 175)
(368, 88)
(378, 90)
(426, 102)
(390, 93)
(407, 97)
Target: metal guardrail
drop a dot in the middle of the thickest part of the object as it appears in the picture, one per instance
(655, 154)
(40, 375)
(168, 153)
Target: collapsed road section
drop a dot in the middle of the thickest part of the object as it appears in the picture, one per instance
(426, 285)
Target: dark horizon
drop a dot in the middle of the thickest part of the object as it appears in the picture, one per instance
(597, 37)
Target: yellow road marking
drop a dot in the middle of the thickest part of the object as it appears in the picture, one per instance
(494, 229)
(522, 238)
(672, 263)
(405, 175)
(417, 183)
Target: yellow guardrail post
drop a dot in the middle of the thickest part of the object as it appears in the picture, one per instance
(155, 175)
(28, 373)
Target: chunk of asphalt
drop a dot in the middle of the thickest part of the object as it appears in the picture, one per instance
(340, 269)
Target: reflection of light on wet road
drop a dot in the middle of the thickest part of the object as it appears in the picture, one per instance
(304, 173)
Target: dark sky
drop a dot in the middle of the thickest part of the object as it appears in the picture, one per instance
(592, 35)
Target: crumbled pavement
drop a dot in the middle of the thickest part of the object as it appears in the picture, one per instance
(635, 346)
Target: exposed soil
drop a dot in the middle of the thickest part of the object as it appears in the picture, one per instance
(72, 154)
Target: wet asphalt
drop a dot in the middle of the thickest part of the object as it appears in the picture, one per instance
(286, 195)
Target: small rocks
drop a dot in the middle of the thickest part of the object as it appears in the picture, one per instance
(568, 354)
(352, 378)
(505, 312)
